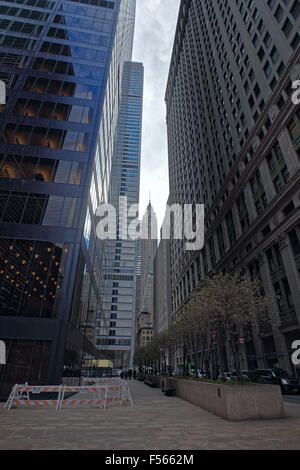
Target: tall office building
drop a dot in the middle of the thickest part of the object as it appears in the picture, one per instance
(148, 252)
(234, 145)
(162, 311)
(138, 276)
(62, 63)
(115, 332)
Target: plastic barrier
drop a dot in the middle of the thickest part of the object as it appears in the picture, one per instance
(118, 389)
(119, 393)
(20, 396)
(103, 395)
(100, 396)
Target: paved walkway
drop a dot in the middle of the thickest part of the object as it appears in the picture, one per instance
(155, 422)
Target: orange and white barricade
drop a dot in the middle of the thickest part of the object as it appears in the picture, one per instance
(98, 399)
(20, 396)
(117, 389)
(97, 396)
(119, 393)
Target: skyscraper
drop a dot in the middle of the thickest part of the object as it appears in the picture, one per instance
(62, 62)
(148, 252)
(233, 135)
(162, 288)
(115, 333)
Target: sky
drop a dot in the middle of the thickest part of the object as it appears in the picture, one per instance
(154, 36)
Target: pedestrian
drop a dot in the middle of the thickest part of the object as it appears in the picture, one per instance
(122, 375)
(134, 374)
(130, 374)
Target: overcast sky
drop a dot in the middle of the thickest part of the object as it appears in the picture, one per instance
(154, 35)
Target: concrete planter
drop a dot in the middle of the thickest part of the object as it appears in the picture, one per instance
(231, 402)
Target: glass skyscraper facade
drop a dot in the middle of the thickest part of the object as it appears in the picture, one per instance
(62, 64)
(115, 332)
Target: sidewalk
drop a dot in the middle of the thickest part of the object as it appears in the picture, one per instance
(155, 422)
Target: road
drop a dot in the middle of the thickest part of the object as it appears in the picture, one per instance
(292, 399)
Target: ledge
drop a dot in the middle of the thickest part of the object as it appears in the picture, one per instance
(231, 402)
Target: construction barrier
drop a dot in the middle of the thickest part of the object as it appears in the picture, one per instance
(98, 399)
(20, 396)
(95, 396)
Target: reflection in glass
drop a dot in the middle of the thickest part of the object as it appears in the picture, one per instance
(32, 274)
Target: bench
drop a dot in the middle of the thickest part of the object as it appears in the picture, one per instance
(150, 384)
(170, 392)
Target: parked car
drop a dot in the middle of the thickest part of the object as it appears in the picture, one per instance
(177, 372)
(247, 376)
(201, 374)
(227, 376)
(278, 377)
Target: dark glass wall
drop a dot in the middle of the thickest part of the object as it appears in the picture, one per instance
(55, 59)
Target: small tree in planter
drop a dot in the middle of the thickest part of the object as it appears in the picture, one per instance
(220, 310)
(234, 302)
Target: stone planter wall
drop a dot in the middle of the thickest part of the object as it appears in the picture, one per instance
(231, 402)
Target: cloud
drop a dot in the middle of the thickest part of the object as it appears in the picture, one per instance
(154, 36)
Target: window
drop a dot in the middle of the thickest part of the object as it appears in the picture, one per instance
(261, 53)
(258, 192)
(294, 237)
(267, 69)
(295, 10)
(287, 27)
(274, 55)
(279, 13)
(295, 42)
(281, 69)
(267, 39)
(294, 128)
(278, 169)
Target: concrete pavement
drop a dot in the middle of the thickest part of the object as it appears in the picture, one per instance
(154, 422)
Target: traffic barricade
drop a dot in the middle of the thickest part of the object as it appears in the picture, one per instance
(20, 396)
(97, 398)
(118, 394)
